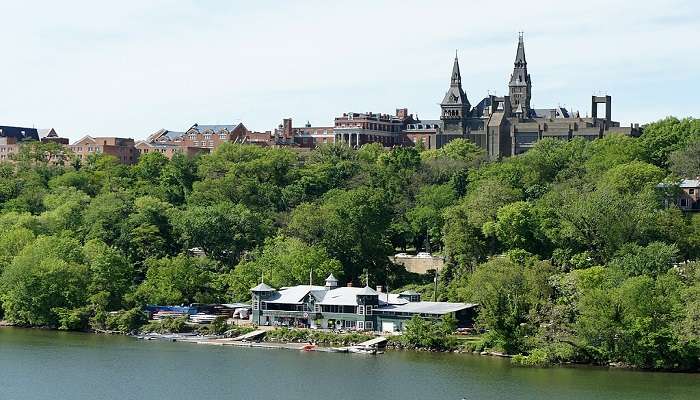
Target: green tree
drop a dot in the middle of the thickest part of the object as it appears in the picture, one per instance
(224, 231)
(177, 280)
(283, 261)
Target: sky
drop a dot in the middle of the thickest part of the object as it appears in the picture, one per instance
(128, 68)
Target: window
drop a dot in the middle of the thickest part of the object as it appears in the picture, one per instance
(368, 325)
(193, 136)
(317, 308)
(361, 325)
(256, 305)
(369, 310)
(207, 136)
(691, 191)
(222, 136)
(361, 310)
(684, 202)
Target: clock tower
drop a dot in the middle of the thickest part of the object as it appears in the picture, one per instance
(455, 105)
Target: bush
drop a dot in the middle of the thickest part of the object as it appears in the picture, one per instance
(310, 335)
(536, 358)
(168, 325)
(126, 321)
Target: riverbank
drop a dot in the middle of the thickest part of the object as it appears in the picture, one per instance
(38, 363)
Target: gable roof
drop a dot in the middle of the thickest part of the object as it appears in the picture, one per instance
(294, 294)
(262, 288)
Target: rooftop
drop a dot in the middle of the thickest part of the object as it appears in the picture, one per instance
(426, 307)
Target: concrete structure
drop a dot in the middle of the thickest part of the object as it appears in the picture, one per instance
(422, 263)
(350, 308)
(123, 149)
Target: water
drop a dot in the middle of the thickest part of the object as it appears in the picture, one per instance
(58, 365)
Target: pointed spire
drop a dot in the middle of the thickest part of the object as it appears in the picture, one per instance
(520, 54)
(456, 77)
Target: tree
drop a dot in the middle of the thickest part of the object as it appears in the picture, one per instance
(517, 227)
(177, 280)
(652, 260)
(224, 231)
(661, 138)
(685, 162)
(111, 275)
(44, 276)
(352, 226)
(426, 216)
(283, 261)
(506, 293)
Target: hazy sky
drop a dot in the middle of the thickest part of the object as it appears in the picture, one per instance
(128, 68)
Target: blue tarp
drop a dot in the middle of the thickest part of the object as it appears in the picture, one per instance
(179, 309)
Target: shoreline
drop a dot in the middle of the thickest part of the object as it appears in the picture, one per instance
(211, 340)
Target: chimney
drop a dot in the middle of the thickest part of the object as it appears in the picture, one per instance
(379, 288)
(349, 284)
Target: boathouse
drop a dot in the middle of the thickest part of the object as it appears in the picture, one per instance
(348, 308)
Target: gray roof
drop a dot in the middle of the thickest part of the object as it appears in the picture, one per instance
(214, 128)
(331, 278)
(262, 288)
(427, 307)
(294, 294)
(367, 291)
(344, 296)
(409, 293)
(690, 183)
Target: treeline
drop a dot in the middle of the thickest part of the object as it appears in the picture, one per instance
(568, 248)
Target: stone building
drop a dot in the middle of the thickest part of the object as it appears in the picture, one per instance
(509, 125)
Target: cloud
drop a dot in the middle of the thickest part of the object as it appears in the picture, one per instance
(129, 68)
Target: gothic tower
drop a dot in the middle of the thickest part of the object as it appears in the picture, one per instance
(455, 106)
(520, 87)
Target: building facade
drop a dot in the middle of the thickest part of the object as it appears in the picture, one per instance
(348, 308)
(123, 149)
(509, 125)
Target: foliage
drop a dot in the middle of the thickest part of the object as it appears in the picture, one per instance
(283, 261)
(569, 249)
(286, 335)
(433, 335)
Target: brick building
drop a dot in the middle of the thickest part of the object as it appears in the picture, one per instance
(306, 136)
(357, 129)
(123, 149)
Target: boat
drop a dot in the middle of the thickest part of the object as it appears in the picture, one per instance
(309, 347)
(202, 318)
(372, 346)
(362, 350)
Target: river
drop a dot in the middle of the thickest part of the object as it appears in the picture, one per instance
(36, 364)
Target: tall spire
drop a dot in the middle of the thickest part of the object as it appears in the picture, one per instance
(520, 86)
(520, 54)
(456, 77)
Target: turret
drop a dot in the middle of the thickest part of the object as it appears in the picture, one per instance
(331, 282)
(520, 86)
(455, 105)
